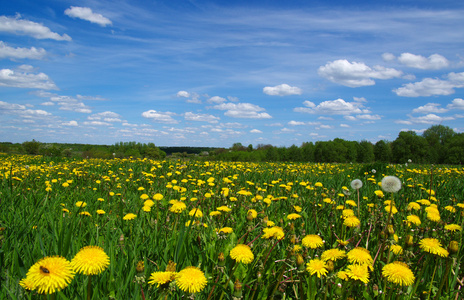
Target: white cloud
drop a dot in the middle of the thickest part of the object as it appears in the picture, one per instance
(22, 111)
(23, 79)
(433, 62)
(48, 103)
(21, 53)
(282, 90)
(255, 131)
(159, 117)
(431, 86)
(243, 110)
(295, 123)
(332, 107)
(350, 118)
(70, 123)
(184, 94)
(216, 99)
(97, 123)
(345, 125)
(427, 119)
(430, 108)
(368, 117)
(24, 27)
(355, 74)
(71, 104)
(87, 14)
(388, 56)
(457, 103)
(190, 116)
(325, 127)
(107, 116)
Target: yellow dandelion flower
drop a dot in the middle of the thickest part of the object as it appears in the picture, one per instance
(273, 232)
(242, 253)
(27, 283)
(424, 202)
(453, 227)
(379, 193)
(270, 223)
(351, 221)
(360, 256)
(158, 197)
(100, 211)
(413, 205)
(333, 254)
(223, 208)
(191, 280)
(253, 213)
(396, 249)
(177, 207)
(129, 216)
(90, 260)
(226, 230)
(81, 204)
(215, 213)
(342, 242)
(49, 275)
(293, 216)
(414, 219)
(144, 196)
(398, 273)
(347, 213)
(358, 272)
(318, 267)
(391, 209)
(312, 241)
(85, 213)
(432, 245)
(149, 203)
(161, 278)
(450, 208)
(297, 208)
(196, 212)
(434, 216)
(342, 275)
(351, 203)
(146, 208)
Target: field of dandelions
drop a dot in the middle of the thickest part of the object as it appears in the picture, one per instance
(144, 229)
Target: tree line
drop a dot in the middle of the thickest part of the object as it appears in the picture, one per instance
(438, 145)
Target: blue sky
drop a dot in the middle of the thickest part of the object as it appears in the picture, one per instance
(213, 73)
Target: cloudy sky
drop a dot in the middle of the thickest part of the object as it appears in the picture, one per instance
(212, 73)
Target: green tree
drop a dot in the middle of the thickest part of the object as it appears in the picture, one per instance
(438, 138)
(382, 151)
(409, 146)
(365, 152)
(31, 147)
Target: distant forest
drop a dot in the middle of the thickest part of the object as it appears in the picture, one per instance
(438, 145)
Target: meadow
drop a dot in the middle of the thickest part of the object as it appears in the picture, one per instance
(176, 229)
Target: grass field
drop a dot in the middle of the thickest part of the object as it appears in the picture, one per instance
(213, 230)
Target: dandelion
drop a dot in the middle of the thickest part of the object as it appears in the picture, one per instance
(100, 211)
(391, 184)
(318, 267)
(396, 249)
(49, 274)
(351, 221)
(146, 208)
(432, 245)
(191, 280)
(351, 203)
(333, 254)
(434, 216)
(242, 253)
(273, 232)
(85, 213)
(379, 193)
(398, 273)
(293, 216)
(177, 207)
(347, 213)
(223, 209)
(161, 278)
(356, 184)
(312, 241)
(215, 213)
(453, 227)
(413, 205)
(129, 216)
(253, 213)
(391, 209)
(149, 203)
(81, 204)
(90, 260)
(226, 230)
(358, 272)
(158, 197)
(360, 256)
(196, 212)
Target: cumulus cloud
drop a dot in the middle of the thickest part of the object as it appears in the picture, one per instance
(282, 90)
(21, 78)
(21, 53)
(388, 56)
(87, 14)
(22, 111)
(193, 97)
(19, 26)
(332, 107)
(97, 123)
(430, 108)
(70, 104)
(457, 103)
(255, 131)
(216, 99)
(296, 123)
(190, 116)
(433, 62)
(243, 110)
(107, 116)
(345, 125)
(432, 86)
(70, 123)
(427, 119)
(184, 94)
(369, 117)
(355, 74)
(159, 117)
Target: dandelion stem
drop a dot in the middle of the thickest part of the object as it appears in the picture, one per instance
(431, 281)
(445, 277)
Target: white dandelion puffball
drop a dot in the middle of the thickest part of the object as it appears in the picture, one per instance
(356, 184)
(391, 184)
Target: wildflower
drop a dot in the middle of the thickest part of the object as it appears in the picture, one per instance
(149, 203)
(413, 205)
(424, 202)
(196, 212)
(85, 213)
(317, 266)
(27, 283)
(450, 208)
(49, 274)
(100, 211)
(90, 260)
(312, 241)
(146, 208)
(396, 249)
(351, 203)
(333, 254)
(158, 197)
(356, 184)
(191, 280)
(342, 275)
(318, 184)
(358, 272)
(253, 213)
(360, 256)
(434, 216)
(215, 213)
(391, 184)
(432, 245)
(391, 209)
(351, 221)
(453, 227)
(225, 230)
(223, 208)
(273, 232)
(297, 208)
(414, 219)
(144, 197)
(161, 278)
(347, 213)
(177, 207)
(129, 216)
(379, 193)
(293, 216)
(342, 242)
(398, 273)
(242, 253)
(81, 204)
